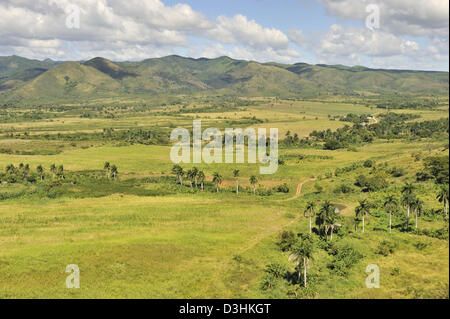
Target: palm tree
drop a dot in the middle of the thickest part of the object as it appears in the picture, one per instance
(253, 181)
(390, 205)
(26, 170)
(114, 171)
(10, 169)
(201, 178)
(332, 222)
(417, 206)
(217, 180)
(408, 194)
(191, 174)
(301, 253)
(53, 169)
(407, 200)
(326, 218)
(195, 173)
(60, 171)
(443, 198)
(107, 167)
(40, 171)
(178, 171)
(362, 210)
(310, 212)
(236, 175)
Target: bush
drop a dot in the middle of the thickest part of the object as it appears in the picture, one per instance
(371, 184)
(276, 270)
(344, 189)
(282, 188)
(397, 172)
(395, 271)
(368, 163)
(287, 239)
(343, 259)
(318, 187)
(268, 282)
(385, 248)
(421, 245)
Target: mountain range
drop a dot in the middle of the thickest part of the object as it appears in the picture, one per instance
(25, 80)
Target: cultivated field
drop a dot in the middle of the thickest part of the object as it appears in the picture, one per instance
(143, 235)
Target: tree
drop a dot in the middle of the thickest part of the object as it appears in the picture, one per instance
(390, 205)
(107, 167)
(217, 180)
(407, 200)
(417, 206)
(195, 173)
(25, 170)
(310, 212)
(301, 253)
(114, 171)
(40, 171)
(201, 178)
(10, 169)
(236, 175)
(53, 170)
(443, 198)
(60, 171)
(326, 218)
(253, 181)
(362, 210)
(408, 196)
(178, 171)
(191, 174)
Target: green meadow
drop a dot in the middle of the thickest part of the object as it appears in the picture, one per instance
(143, 234)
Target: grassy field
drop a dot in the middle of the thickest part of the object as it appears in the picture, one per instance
(144, 236)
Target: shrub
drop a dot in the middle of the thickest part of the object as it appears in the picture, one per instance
(421, 245)
(344, 189)
(287, 239)
(282, 188)
(385, 248)
(343, 259)
(318, 187)
(276, 270)
(268, 282)
(395, 271)
(368, 163)
(397, 172)
(371, 184)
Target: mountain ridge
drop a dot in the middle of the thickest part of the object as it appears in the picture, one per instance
(23, 79)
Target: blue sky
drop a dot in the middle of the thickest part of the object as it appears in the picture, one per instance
(411, 34)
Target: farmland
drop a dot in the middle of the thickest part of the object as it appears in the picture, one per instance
(143, 235)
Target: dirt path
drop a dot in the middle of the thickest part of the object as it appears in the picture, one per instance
(273, 230)
(299, 190)
(375, 120)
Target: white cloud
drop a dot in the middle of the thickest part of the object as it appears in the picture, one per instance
(136, 29)
(240, 30)
(400, 17)
(361, 46)
(126, 29)
(296, 36)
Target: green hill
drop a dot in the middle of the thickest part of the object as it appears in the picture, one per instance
(15, 70)
(30, 80)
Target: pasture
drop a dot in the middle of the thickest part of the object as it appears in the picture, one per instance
(145, 236)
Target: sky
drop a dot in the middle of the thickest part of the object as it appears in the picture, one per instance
(396, 34)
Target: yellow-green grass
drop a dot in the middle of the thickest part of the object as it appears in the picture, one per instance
(204, 245)
(128, 246)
